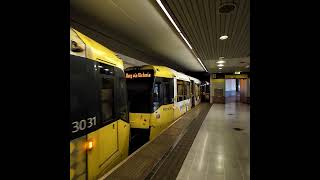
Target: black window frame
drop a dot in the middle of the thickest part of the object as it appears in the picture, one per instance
(121, 104)
(146, 103)
(86, 80)
(84, 94)
(186, 90)
(157, 84)
(120, 96)
(110, 76)
(168, 84)
(166, 90)
(180, 97)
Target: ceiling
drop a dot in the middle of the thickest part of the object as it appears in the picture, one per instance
(133, 28)
(141, 30)
(129, 61)
(203, 24)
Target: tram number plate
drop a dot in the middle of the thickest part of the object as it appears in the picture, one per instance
(83, 124)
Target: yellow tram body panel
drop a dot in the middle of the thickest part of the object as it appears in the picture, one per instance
(180, 110)
(110, 142)
(140, 120)
(157, 121)
(160, 71)
(161, 119)
(113, 148)
(97, 52)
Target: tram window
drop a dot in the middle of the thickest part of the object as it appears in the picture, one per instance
(123, 99)
(166, 97)
(106, 69)
(192, 85)
(156, 95)
(167, 90)
(106, 98)
(187, 90)
(106, 91)
(196, 90)
(120, 96)
(84, 99)
(180, 89)
(171, 91)
(140, 95)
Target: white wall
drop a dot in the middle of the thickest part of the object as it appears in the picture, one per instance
(230, 85)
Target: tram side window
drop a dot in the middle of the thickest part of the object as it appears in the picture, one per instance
(192, 88)
(120, 96)
(167, 91)
(197, 90)
(180, 89)
(156, 95)
(107, 91)
(122, 99)
(187, 90)
(106, 94)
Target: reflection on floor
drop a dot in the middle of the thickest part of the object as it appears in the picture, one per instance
(221, 149)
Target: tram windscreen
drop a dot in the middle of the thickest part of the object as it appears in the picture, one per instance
(140, 85)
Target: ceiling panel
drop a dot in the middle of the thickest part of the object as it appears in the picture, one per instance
(203, 24)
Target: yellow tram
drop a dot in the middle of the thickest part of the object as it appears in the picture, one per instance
(99, 126)
(157, 96)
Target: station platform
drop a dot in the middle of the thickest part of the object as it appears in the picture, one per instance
(211, 141)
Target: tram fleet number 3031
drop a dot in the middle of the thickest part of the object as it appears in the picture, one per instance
(83, 124)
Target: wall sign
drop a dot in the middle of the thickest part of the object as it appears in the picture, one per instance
(236, 76)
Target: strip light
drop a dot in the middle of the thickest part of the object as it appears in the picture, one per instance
(174, 24)
(168, 15)
(202, 64)
(186, 40)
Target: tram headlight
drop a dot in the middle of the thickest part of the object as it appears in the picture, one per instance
(90, 145)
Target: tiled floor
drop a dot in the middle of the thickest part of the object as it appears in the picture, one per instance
(219, 152)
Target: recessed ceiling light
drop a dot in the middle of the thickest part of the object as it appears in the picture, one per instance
(220, 65)
(224, 37)
(227, 7)
(237, 72)
(220, 61)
